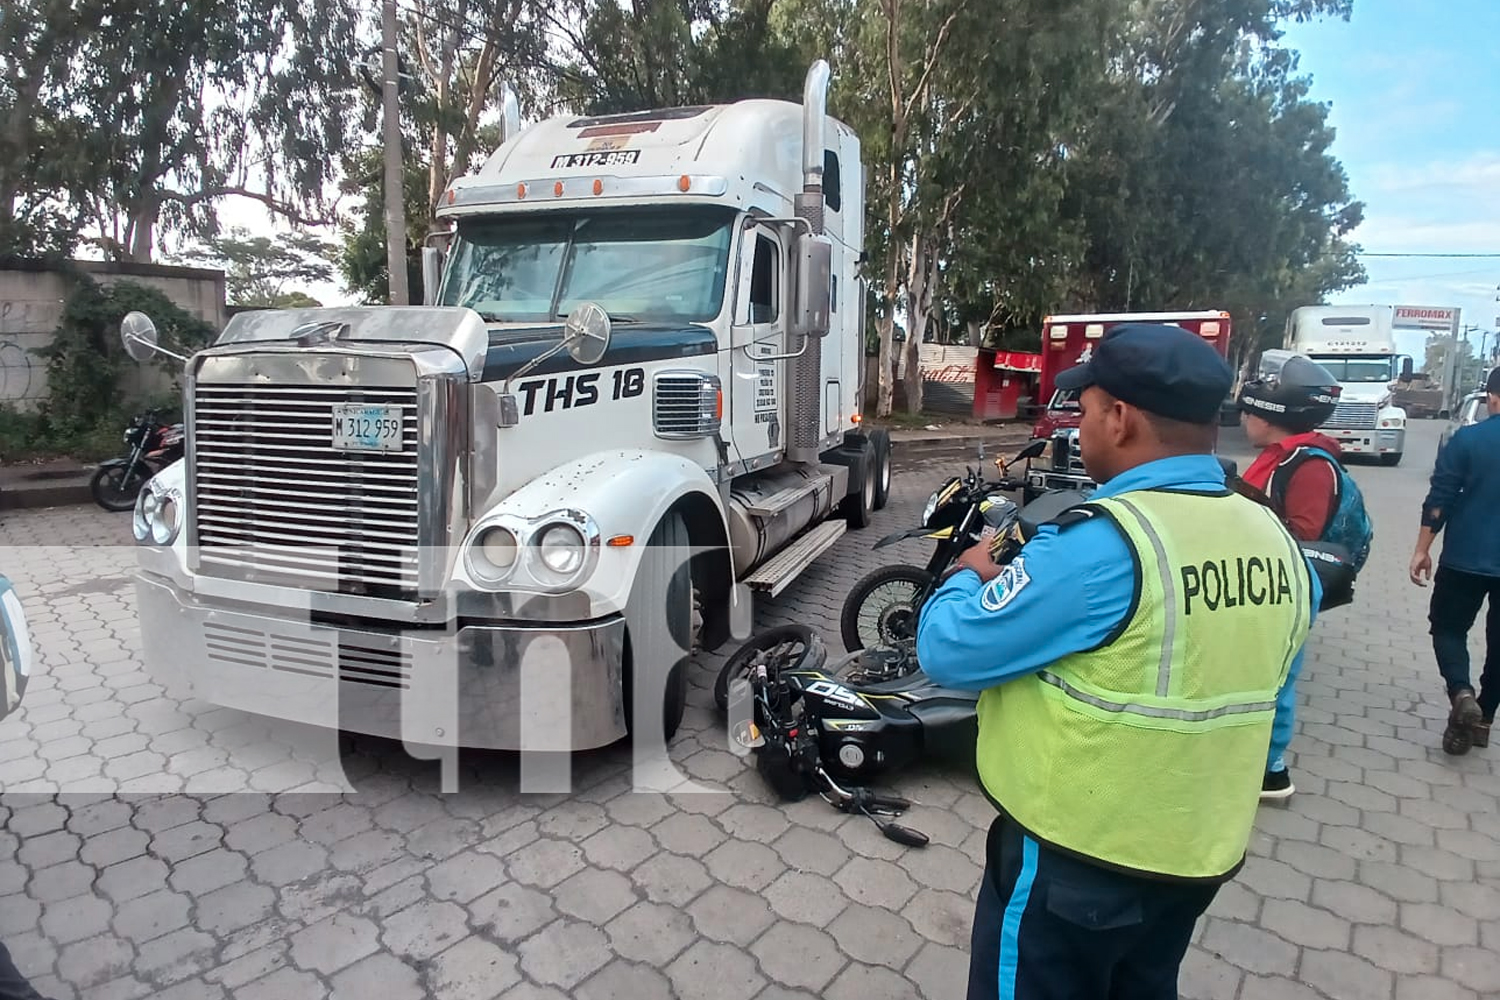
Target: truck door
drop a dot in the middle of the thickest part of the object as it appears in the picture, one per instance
(755, 388)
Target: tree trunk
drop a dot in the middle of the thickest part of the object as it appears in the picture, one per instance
(437, 171)
(886, 386)
(976, 332)
(920, 277)
(140, 234)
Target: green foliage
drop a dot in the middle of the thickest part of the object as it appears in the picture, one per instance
(86, 361)
(1468, 367)
(362, 259)
(138, 118)
(258, 269)
(676, 52)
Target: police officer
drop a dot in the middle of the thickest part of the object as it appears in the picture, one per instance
(1129, 659)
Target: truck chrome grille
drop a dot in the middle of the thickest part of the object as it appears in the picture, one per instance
(1067, 456)
(275, 499)
(685, 404)
(1354, 416)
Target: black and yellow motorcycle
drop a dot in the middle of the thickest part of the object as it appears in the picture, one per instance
(882, 608)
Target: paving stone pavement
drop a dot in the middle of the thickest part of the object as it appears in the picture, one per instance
(1379, 880)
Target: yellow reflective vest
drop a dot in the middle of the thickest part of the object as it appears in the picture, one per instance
(1147, 753)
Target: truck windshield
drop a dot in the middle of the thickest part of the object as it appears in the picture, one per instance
(640, 264)
(1358, 369)
(1064, 399)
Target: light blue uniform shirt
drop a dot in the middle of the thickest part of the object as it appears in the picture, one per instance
(1063, 594)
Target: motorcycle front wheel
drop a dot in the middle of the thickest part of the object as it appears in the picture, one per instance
(116, 488)
(784, 647)
(881, 609)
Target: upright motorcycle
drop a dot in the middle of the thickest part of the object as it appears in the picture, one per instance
(882, 608)
(153, 445)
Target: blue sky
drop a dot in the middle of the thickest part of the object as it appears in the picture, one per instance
(1414, 90)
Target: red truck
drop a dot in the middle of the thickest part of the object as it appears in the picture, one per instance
(1070, 340)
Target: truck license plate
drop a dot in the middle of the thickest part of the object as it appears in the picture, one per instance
(359, 427)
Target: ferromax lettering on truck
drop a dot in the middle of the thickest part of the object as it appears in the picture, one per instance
(451, 521)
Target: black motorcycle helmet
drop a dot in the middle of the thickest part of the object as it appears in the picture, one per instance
(1291, 391)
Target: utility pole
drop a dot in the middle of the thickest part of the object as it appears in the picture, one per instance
(395, 210)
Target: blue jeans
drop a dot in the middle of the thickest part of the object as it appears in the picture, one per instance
(1286, 707)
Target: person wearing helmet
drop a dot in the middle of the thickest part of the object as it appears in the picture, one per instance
(1281, 410)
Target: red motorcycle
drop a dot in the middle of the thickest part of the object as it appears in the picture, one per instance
(154, 445)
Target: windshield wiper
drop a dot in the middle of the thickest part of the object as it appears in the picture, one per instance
(613, 318)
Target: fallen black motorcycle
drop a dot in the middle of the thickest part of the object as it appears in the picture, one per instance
(828, 729)
(153, 445)
(882, 607)
(814, 730)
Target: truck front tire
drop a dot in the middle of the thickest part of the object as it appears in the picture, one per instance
(1389, 459)
(659, 623)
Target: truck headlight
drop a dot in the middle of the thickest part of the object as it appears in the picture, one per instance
(493, 554)
(561, 548)
(157, 516)
(1393, 422)
(552, 553)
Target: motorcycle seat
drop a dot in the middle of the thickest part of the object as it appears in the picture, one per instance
(1046, 507)
(914, 681)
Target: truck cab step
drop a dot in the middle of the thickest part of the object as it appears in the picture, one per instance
(777, 574)
(784, 498)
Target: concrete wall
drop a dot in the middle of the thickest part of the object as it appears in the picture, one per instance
(31, 303)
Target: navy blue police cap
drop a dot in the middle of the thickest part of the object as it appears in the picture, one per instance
(1161, 369)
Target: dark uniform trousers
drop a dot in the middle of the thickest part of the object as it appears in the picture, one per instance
(1051, 927)
(13, 985)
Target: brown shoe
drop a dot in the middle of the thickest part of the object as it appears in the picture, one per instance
(1459, 736)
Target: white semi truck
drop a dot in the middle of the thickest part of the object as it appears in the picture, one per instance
(437, 522)
(1357, 344)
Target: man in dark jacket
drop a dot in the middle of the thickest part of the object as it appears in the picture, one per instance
(1463, 498)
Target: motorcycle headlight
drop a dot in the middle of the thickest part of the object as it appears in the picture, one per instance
(931, 507)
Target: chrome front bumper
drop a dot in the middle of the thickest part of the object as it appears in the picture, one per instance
(1368, 441)
(511, 686)
(1040, 481)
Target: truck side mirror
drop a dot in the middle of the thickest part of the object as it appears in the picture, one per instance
(813, 286)
(432, 274)
(138, 335)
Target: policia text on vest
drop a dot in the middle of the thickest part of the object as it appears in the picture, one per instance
(1226, 584)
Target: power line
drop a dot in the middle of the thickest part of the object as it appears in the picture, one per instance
(1484, 256)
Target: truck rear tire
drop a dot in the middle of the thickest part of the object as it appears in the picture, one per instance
(659, 621)
(858, 506)
(880, 441)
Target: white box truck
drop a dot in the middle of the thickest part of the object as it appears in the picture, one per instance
(1357, 344)
(425, 522)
